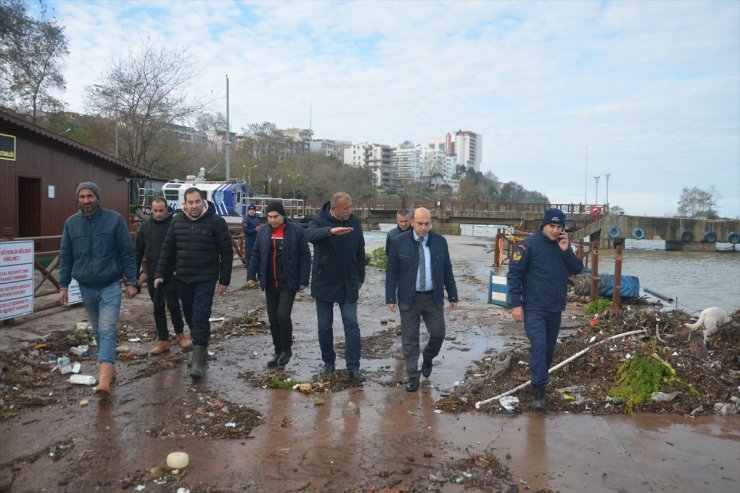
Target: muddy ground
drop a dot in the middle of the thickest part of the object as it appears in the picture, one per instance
(249, 428)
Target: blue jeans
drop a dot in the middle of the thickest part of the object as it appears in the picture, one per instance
(103, 307)
(542, 331)
(325, 319)
(197, 300)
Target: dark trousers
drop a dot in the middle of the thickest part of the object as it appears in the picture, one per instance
(279, 308)
(423, 305)
(197, 299)
(542, 330)
(166, 296)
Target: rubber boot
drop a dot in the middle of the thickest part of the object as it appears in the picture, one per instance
(105, 377)
(197, 361)
(540, 398)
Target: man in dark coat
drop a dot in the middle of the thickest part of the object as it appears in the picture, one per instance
(338, 274)
(538, 282)
(403, 222)
(419, 271)
(281, 260)
(149, 241)
(198, 247)
(250, 224)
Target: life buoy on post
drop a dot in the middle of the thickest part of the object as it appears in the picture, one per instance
(687, 237)
(614, 232)
(733, 237)
(710, 236)
(638, 233)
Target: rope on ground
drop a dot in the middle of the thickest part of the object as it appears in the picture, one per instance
(560, 365)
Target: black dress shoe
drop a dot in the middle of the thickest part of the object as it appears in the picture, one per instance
(413, 384)
(426, 368)
(284, 357)
(274, 361)
(328, 368)
(355, 374)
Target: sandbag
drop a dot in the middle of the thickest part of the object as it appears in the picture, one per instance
(629, 288)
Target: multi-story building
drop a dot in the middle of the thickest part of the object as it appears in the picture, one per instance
(331, 148)
(405, 162)
(465, 146)
(375, 157)
(301, 136)
(468, 148)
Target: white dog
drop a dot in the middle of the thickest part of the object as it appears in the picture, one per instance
(709, 320)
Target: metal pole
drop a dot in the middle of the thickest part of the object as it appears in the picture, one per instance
(596, 196)
(228, 133)
(607, 190)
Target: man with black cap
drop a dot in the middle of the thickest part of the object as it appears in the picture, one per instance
(97, 251)
(281, 260)
(538, 282)
(250, 223)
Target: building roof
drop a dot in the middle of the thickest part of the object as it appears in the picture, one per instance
(7, 119)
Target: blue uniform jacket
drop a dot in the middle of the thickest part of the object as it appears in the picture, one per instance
(538, 274)
(96, 250)
(296, 257)
(403, 265)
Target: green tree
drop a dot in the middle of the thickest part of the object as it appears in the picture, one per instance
(697, 203)
(31, 60)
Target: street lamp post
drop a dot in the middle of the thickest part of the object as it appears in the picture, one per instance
(596, 195)
(607, 189)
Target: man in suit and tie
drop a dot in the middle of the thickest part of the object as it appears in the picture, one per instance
(419, 270)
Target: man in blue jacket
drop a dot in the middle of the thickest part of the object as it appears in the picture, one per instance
(281, 260)
(419, 271)
(250, 223)
(96, 251)
(537, 282)
(337, 276)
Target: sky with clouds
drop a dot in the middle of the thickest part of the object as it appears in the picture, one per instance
(562, 91)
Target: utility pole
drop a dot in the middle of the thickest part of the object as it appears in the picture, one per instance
(607, 175)
(585, 182)
(228, 133)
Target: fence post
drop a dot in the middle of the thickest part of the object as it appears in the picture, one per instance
(594, 271)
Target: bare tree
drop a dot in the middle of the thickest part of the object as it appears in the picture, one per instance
(31, 59)
(697, 203)
(145, 96)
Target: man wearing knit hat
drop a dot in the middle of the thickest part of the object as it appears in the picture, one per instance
(97, 251)
(537, 282)
(250, 223)
(281, 261)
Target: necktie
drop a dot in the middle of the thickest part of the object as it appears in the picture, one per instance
(422, 267)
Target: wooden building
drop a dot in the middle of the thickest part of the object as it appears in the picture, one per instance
(39, 173)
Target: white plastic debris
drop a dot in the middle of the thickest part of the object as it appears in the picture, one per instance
(508, 402)
(79, 350)
(82, 379)
(663, 397)
(178, 460)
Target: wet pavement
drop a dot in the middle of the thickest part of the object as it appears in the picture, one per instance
(375, 436)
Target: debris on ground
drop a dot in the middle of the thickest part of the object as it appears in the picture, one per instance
(699, 378)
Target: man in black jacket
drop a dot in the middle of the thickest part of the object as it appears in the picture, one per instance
(149, 241)
(338, 274)
(198, 247)
(281, 260)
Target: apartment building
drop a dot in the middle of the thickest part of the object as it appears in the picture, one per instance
(331, 148)
(406, 162)
(375, 157)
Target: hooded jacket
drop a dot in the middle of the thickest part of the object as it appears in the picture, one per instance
(338, 261)
(96, 250)
(149, 240)
(538, 274)
(295, 257)
(198, 249)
